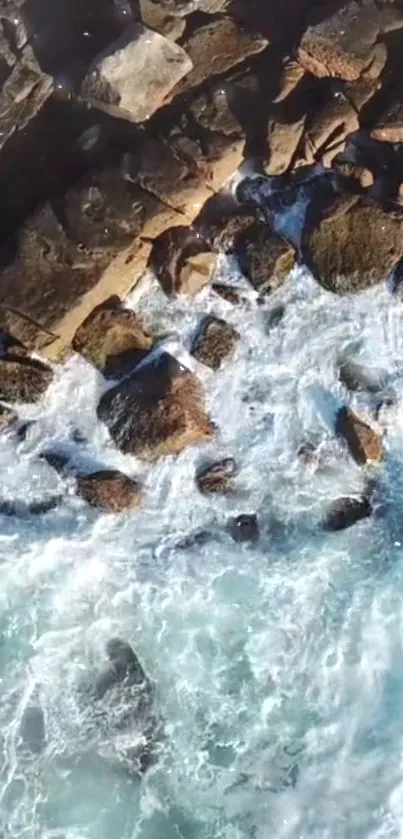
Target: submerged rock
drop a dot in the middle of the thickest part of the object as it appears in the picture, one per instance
(157, 410)
(216, 477)
(359, 377)
(181, 261)
(346, 511)
(215, 341)
(244, 528)
(112, 338)
(109, 490)
(32, 729)
(123, 665)
(23, 379)
(364, 443)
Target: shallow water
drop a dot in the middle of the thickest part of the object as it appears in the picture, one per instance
(278, 667)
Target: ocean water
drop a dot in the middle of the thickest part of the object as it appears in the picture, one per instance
(277, 666)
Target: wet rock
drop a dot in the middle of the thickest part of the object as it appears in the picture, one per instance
(112, 338)
(217, 47)
(244, 528)
(216, 477)
(329, 127)
(359, 377)
(136, 75)
(264, 257)
(23, 379)
(181, 261)
(214, 342)
(57, 460)
(363, 442)
(389, 125)
(24, 89)
(196, 539)
(283, 140)
(342, 45)
(109, 490)
(32, 729)
(123, 665)
(157, 410)
(274, 316)
(229, 293)
(221, 220)
(22, 509)
(7, 417)
(345, 512)
(355, 249)
(360, 177)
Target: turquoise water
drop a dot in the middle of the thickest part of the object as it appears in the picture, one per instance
(278, 666)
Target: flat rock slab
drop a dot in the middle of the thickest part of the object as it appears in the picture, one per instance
(136, 75)
(112, 338)
(363, 442)
(23, 380)
(109, 490)
(215, 341)
(158, 410)
(353, 250)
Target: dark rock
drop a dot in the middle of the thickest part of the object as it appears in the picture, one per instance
(345, 512)
(355, 249)
(264, 257)
(158, 169)
(112, 338)
(220, 220)
(22, 509)
(244, 528)
(214, 342)
(57, 460)
(229, 293)
(364, 443)
(157, 410)
(109, 490)
(123, 666)
(32, 729)
(217, 476)
(23, 379)
(196, 539)
(389, 125)
(274, 316)
(358, 377)
(181, 260)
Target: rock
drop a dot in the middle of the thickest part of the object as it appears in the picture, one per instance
(24, 89)
(389, 125)
(214, 342)
(244, 528)
(181, 261)
(344, 512)
(358, 377)
(221, 220)
(154, 16)
(360, 177)
(264, 257)
(123, 666)
(283, 140)
(363, 442)
(329, 127)
(109, 490)
(136, 75)
(216, 477)
(22, 509)
(23, 380)
(112, 338)
(355, 249)
(274, 316)
(215, 48)
(7, 417)
(32, 729)
(229, 293)
(342, 45)
(157, 410)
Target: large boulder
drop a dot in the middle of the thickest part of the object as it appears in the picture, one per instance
(109, 490)
(23, 379)
(136, 75)
(214, 342)
(356, 248)
(346, 511)
(112, 338)
(158, 410)
(363, 442)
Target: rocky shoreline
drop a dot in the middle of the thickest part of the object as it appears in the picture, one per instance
(140, 139)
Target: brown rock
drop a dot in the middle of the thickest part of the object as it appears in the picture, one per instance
(244, 528)
(137, 73)
(389, 126)
(216, 48)
(264, 257)
(24, 89)
(342, 44)
(109, 490)
(112, 338)
(23, 379)
(283, 140)
(216, 477)
(7, 417)
(154, 16)
(214, 342)
(220, 221)
(181, 261)
(329, 127)
(344, 512)
(359, 176)
(355, 249)
(229, 293)
(156, 411)
(363, 442)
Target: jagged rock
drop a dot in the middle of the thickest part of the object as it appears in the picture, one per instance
(24, 89)
(229, 293)
(155, 16)
(217, 476)
(112, 338)
(23, 379)
(345, 512)
(356, 248)
(214, 342)
(389, 125)
(329, 127)
(356, 377)
(136, 75)
(264, 257)
(109, 490)
(156, 411)
(244, 528)
(181, 261)
(363, 442)
(217, 47)
(7, 417)
(221, 220)
(283, 140)
(342, 45)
